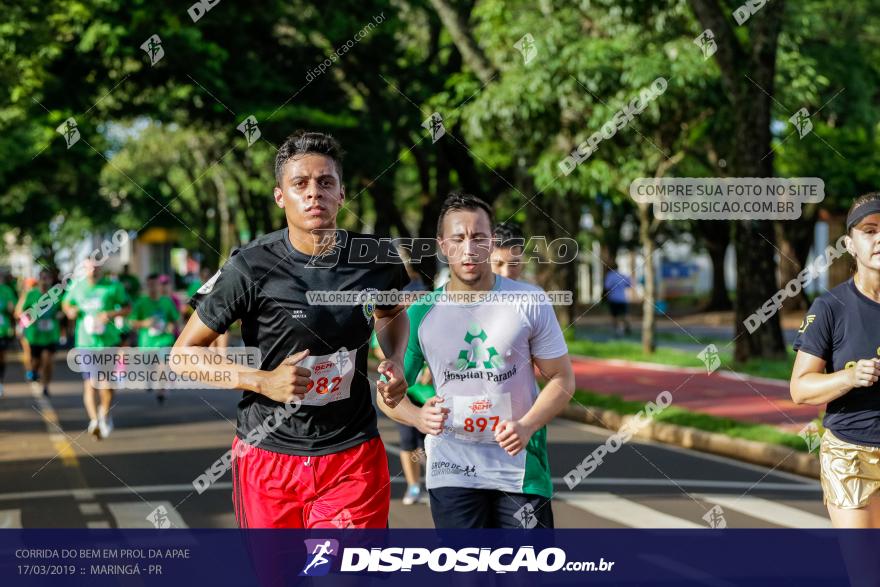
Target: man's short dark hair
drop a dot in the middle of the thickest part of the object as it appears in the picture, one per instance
(308, 143)
(461, 201)
(508, 235)
(152, 276)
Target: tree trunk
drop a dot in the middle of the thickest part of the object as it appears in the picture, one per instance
(842, 268)
(747, 73)
(716, 237)
(795, 240)
(607, 223)
(471, 53)
(756, 279)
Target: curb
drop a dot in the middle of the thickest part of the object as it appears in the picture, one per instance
(752, 451)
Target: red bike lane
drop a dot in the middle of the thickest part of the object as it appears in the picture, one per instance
(721, 393)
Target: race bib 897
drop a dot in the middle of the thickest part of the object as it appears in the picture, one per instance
(475, 418)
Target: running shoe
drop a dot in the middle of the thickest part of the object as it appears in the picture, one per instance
(413, 495)
(93, 429)
(105, 426)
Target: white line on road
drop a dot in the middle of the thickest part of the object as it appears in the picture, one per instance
(605, 433)
(769, 511)
(98, 524)
(54, 493)
(10, 519)
(226, 485)
(133, 514)
(624, 481)
(663, 482)
(624, 511)
(90, 509)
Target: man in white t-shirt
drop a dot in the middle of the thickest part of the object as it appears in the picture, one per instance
(487, 445)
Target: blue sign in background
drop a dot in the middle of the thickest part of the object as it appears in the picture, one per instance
(239, 558)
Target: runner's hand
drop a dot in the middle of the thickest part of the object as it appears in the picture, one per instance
(432, 417)
(394, 388)
(512, 436)
(288, 381)
(866, 373)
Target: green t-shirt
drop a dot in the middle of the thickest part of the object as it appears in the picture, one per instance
(131, 284)
(193, 288)
(7, 297)
(163, 312)
(91, 299)
(46, 329)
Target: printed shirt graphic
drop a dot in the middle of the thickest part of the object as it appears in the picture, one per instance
(7, 297)
(163, 312)
(841, 328)
(481, 360)
(91, 299)
(45, 330)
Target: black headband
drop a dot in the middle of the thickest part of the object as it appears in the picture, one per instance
(861, 212)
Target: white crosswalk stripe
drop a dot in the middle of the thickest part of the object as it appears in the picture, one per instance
(10, 519)
(625, 511)
(769, 511)
(140, 514)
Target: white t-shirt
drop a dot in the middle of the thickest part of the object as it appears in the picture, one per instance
(480, 356)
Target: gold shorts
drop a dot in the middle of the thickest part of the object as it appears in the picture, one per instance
(850, 473)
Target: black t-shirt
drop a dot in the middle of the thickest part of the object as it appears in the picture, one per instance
(264, 285)
(842, 328)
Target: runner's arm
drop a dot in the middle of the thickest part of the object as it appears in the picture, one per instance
(70, 309)
(428, 419)
(392, 332)
(19, 307)
(555, 395)
(123, 311)
(811, 385)
(405, 412)
(191, 356)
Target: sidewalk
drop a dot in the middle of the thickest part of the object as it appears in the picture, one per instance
(722, 393)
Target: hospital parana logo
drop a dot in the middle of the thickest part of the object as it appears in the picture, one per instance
(321, 552)
(477, 352)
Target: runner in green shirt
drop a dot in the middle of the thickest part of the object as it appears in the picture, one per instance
(42, 328)
(154, 316)
(94, 303)
(131, 283)
(132, 286)
(198, 281)
(7, 328)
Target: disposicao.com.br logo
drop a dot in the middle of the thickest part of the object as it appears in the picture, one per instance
(444, 559)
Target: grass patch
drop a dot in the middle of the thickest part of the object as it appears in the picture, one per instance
(632, 351)
(683, 417)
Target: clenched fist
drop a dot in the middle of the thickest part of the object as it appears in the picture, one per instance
(288, 381)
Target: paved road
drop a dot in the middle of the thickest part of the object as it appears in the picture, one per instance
(53, 475)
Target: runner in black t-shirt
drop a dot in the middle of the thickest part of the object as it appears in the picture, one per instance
(319, 463)
(838, 363)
